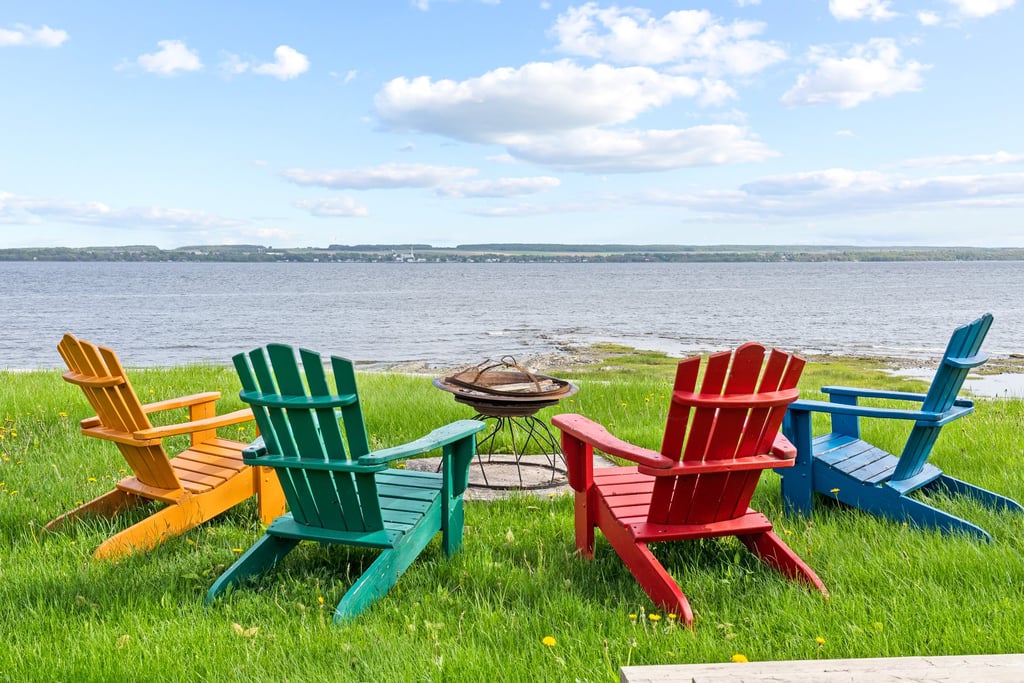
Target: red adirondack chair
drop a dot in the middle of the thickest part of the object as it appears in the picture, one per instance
(718, 440)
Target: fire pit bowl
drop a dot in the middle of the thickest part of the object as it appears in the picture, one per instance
(505, 388)
(509, 395)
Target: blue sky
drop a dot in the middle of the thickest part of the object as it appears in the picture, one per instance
(445, 122)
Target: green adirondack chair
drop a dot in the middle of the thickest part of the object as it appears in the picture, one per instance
(344, 495)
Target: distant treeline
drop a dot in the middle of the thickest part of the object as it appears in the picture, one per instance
(512, 253)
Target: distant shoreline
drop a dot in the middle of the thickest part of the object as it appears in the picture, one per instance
(512, 253)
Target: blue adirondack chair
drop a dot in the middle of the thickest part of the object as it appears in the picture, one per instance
(843, 466)
(338, 495)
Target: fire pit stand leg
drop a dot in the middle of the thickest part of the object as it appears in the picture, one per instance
(534, 430)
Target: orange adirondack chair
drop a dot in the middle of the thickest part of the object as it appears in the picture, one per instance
(198, 484)
(720, 436)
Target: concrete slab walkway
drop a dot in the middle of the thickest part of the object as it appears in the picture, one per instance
(959, 668)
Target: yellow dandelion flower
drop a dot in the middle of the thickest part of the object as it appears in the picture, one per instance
(632, 617)
(62, 414)
(739, 659)
(833, 491)
(672, 616)
(654, 617)
(819, 640)
(92, 479)
(549, 641)
(237, 550)
(320, 599)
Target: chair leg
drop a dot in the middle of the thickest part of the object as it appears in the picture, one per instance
(453, 521)
(380, 576)
(270, 501)
(983, 496)
(652, 577)
(147, 534)
(263, 555)
(585, 521)
(770, 549)
(107, 505)
(798, 481)
(925, 516)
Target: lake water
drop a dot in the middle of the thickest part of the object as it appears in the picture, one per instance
(444, 315)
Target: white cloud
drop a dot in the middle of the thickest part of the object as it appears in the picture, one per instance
(997, 158)
(541, 97)
(20, 209)
(173, 56)
(558, 114)
(980, 8)
(842, 192)
(594, 150)
(334, 207)
(875, 10)
(26, 36)
(502, 187)
(350, 76)
(844, 133)
(232, 65)
(928, 18)
(385, 176)
(288, 63)
(693, 40)
(876, 69)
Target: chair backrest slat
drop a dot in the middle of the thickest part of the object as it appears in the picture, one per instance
(965, 343)
(98, 371)
(298, 416)
(708, 430)
(963, 352)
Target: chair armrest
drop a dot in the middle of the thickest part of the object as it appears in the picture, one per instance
(590, 432)
(873, 393)
(181, 402)
(158, 406)
(442, 436)
(782, 454)
(236, 417)
(960, 407)
(783, 447)
(750, 462)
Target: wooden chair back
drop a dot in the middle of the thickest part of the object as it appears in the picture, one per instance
(119, 413)
(736, 412)
(963, 352)
(298, 416)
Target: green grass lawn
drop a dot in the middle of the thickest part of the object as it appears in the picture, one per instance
(484, 615)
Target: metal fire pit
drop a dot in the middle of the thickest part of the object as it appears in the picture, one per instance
(511, 395)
